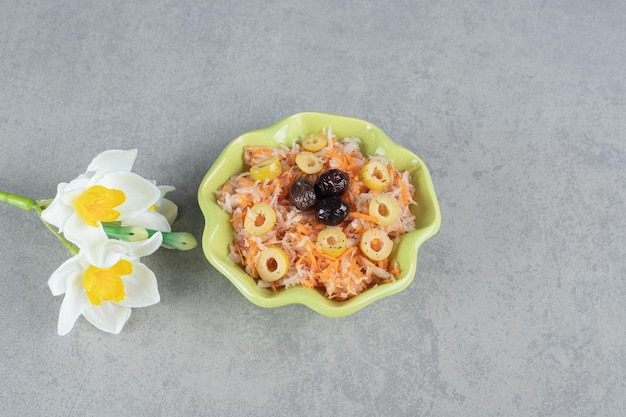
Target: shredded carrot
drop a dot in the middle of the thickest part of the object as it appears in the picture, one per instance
(246, 199)
(363, 216)
(238, 216)
(247, 181)
(404, 194)
(303, 229)
(241, 257)
(256, 154)
(395, 269)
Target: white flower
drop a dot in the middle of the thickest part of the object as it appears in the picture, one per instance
(106, 291)
(107, 192)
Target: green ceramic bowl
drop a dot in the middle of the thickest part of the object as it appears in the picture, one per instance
(218, 231)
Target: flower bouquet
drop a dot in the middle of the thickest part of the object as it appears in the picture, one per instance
(108, 218)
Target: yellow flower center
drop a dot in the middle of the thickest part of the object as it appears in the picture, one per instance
(105, 284)
(97, 203)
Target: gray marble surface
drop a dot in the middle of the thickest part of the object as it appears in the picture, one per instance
(518, 108)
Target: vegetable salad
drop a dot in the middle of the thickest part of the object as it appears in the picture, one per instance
(297, 220)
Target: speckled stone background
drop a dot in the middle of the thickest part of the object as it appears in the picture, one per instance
(518, 306)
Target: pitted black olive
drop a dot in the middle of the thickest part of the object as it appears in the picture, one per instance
(331, 183)
(302, 194)
(331, 210)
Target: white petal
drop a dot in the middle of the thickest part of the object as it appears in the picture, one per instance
(109, 252)
(165, 206)
(166, 189)
(149, 219)
(141, 287)
(146, 247)
(140, 193)
(86, 237)
(109, 317)
(169, 210)
(59, 278)
(113, 160)
(75, 188)
(57, 212)
(74, 303)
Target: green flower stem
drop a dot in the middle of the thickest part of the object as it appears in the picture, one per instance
(39, 207)
(19, 201)
(28, 204)
(171, 240)
(127, 233)
(177, 240)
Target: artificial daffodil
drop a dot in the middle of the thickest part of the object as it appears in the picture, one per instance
(106, 291)
(107, 192)
(108, 218)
